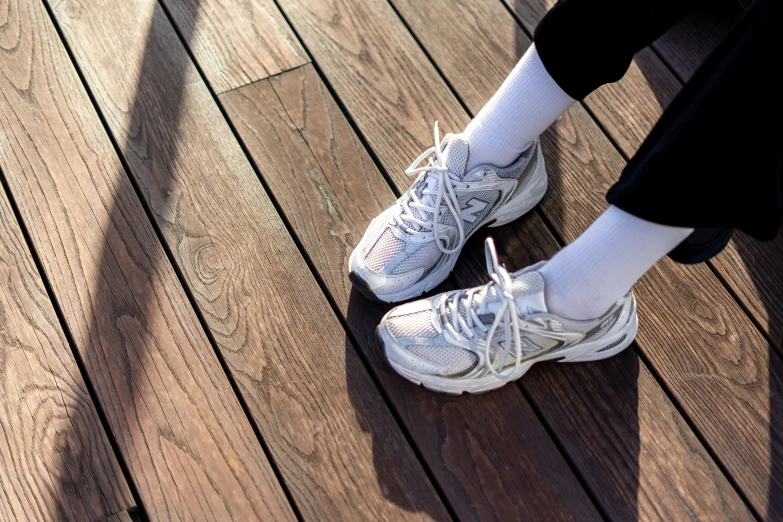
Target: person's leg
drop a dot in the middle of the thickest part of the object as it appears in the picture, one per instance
(591, 274)
(579, 46)
(712, 162)
(526, 104)
(713, 159)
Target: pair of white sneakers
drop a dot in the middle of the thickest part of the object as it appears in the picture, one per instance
(478, 339)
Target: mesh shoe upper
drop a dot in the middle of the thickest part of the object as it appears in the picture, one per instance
(468, 332)
(400, 245)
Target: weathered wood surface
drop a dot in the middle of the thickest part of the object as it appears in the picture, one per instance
(188, 446)
(343, 191)
(55, 459)
(333, 439)
(337, 447)
(237, 42)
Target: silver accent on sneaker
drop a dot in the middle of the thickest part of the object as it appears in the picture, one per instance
(478, 339)
(413, 245)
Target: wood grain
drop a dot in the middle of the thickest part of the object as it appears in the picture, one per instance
(181, 431)
(55, 459)
(329, 197)
(237, 42)
(334, 441)
(370, 59)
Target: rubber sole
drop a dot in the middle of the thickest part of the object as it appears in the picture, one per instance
(363, 288)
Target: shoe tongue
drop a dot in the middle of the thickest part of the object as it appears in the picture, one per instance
(456, 155)
(527, 289)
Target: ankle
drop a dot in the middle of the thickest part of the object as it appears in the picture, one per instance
(578, 303)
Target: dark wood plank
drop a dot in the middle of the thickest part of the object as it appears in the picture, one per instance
(55, 459)
(688, 43)
(122, 516)
(329, 194)
(187, 443)
(696, 337)
(337, 446)
(237, 42)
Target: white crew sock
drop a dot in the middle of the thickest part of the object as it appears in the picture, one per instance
(588, 276)
(525, 105)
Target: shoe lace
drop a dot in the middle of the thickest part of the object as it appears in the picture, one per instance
(507, 315)
(438, 187)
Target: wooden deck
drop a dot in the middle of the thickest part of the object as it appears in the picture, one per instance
(182, 183)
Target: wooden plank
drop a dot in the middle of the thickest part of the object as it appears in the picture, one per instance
(329, 194)
(122, 516)
(237, 42)
(629, 108)
(335, 443)
(698, 340)
(188, 446)
(688, 43)
(55, 459)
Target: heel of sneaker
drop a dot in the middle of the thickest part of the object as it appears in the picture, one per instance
(524, 202)
(608, 347)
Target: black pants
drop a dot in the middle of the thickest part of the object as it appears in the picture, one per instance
(713, 160)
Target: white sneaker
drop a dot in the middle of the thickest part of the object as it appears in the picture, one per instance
(479, 339)
(399, 257)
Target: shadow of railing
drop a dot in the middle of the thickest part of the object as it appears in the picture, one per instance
(118, 336)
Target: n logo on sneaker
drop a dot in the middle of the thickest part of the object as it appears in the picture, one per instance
(474, 206)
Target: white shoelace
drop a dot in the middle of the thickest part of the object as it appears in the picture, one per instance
(435, 173)
(507, 314)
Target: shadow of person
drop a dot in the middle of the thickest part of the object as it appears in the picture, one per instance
(401, 488)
